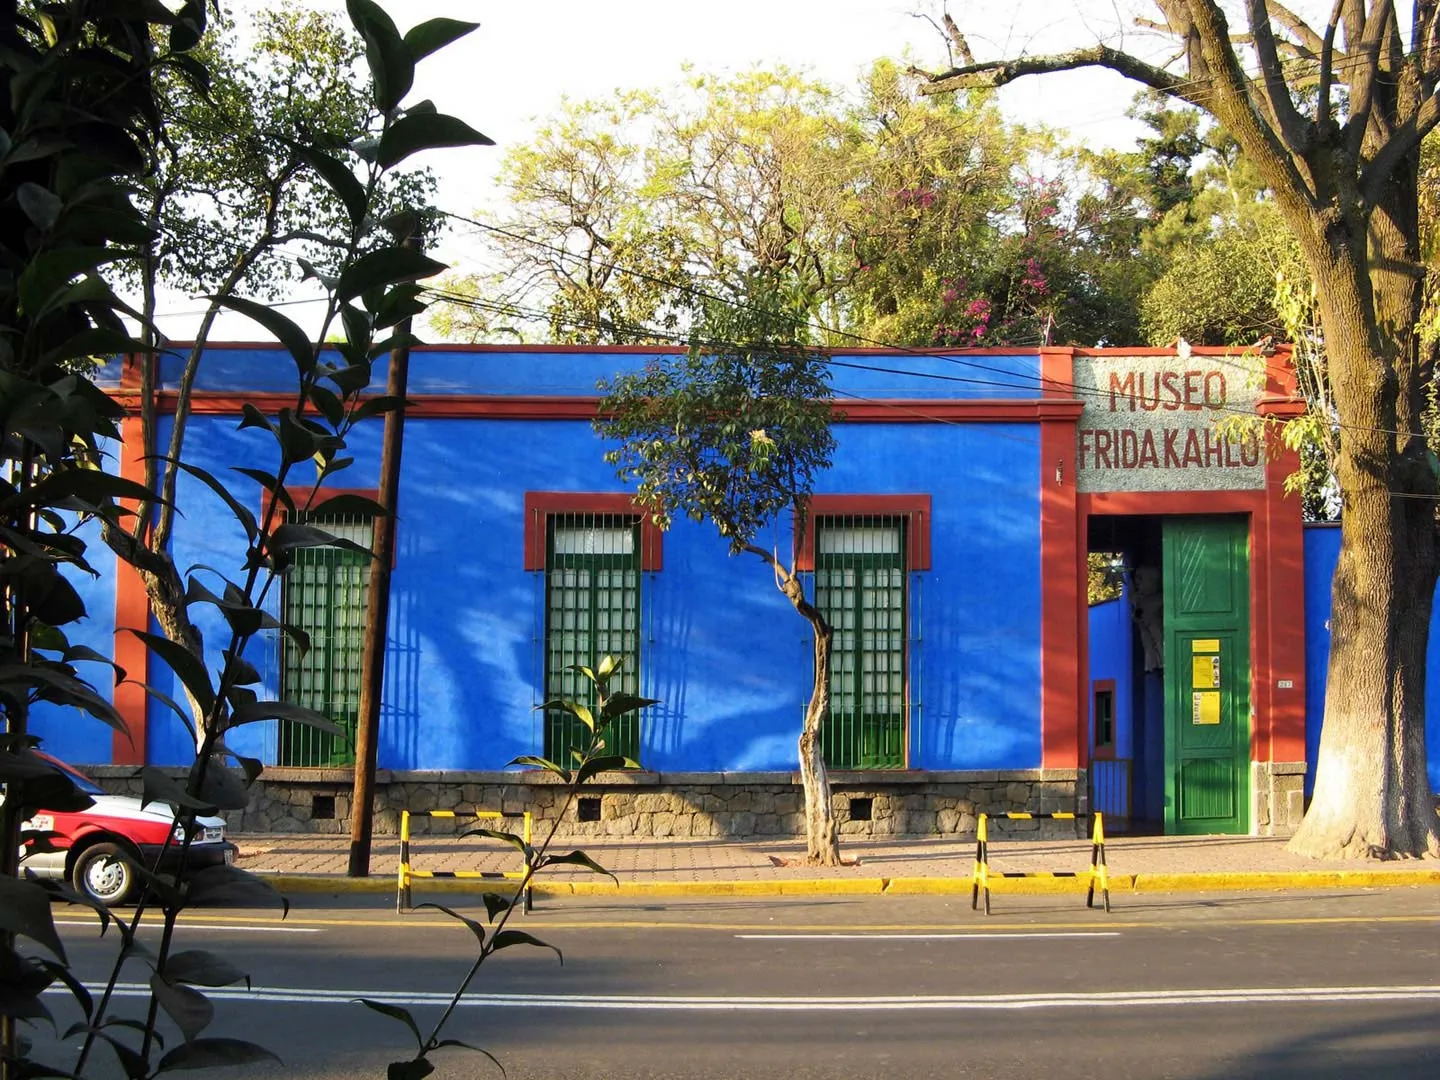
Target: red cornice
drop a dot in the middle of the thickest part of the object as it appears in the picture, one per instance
(915, 508)
(541, 505)
(555, 407)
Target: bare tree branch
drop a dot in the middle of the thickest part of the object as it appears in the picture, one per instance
(1404, 140)
(1294, 128)
(997, 73)
(1295, 24)
(1324, 116)
(962, 47)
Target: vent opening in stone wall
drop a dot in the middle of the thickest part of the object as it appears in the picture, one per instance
(322, 807)
(862, 808)
(587, 808)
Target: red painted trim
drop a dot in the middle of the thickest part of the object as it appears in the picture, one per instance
(552, 407)
(914, 507)
(541, 505)
(1284, 617)
(1104, 752)
(1064, 664)
(132, 612)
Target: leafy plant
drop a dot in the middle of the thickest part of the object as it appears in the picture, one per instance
(80, 127)
(492, 935)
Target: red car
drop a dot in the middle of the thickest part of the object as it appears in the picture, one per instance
(89, 842)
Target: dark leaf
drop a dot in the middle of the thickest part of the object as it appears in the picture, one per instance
(238, 509)
(495, 904)
(577, 858)
(424, 38)
(25, 910)
(466, 1046)
(338, 175)
(295, 535)
(620, 704)
(284, 710)
(475, 927)
(506, 938)
(200, 968)
(391, 67)
(417, 1069)
(186, 666)
(190, 1009)
(231, 886)
(214, 1053)
(40, 205)
(385, 267)
(425, 131)
(288, 333)
(158, 786)
(612, 763)
(223, 789)
(542, 763)
(395, 1012)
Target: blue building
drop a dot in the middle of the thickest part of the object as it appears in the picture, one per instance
(949, 548)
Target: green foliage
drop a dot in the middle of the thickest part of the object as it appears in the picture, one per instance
(736, 430)
(597, 716)
(84, 127)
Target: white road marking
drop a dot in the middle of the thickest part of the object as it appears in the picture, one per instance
(229, 928)
(1117, 999)
(969, 936)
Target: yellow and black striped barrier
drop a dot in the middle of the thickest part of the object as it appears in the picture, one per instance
(1099, 873)
(402, 897)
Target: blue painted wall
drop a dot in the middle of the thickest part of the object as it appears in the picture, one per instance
(1322, 550)
(69, 733)
(723, 650)
(1112, 656)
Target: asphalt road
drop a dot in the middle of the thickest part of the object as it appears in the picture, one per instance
(1256, 985)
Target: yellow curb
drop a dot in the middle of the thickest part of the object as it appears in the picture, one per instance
(770, 887)
(1285, 879)
(1036, 886)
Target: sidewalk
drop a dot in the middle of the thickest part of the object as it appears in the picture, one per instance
(311, 863)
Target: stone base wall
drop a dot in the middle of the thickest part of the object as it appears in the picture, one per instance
(1277, 797)
(663, 805)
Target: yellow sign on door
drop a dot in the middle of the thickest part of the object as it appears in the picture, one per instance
(1205, 707)
(1205, 672)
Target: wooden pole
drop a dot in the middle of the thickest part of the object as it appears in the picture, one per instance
(377, 614)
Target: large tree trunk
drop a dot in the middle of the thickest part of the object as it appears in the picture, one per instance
(1372, 793)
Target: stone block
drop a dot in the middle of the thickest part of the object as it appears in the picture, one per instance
(947, 821)
(662, 824)
(741, 824)
(1017, 794)
(652, 803)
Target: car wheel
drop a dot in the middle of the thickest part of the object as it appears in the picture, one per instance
(103, 875)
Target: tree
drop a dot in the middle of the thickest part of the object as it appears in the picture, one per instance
(80, 131)
(243, 223)
(1332, 119)
(735, 432)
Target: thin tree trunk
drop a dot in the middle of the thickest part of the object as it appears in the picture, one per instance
(822, 839)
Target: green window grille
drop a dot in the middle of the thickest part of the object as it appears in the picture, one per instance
(860, 579)
(325, 594)
(592, 609)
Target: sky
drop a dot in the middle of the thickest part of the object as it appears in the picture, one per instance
(526, 58)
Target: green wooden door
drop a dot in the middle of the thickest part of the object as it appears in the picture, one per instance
(1207, 675)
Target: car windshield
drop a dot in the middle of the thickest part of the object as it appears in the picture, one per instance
(83, 782)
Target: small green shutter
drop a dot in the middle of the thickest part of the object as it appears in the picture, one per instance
(325, 595)
(860, 578)
(592, 610)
